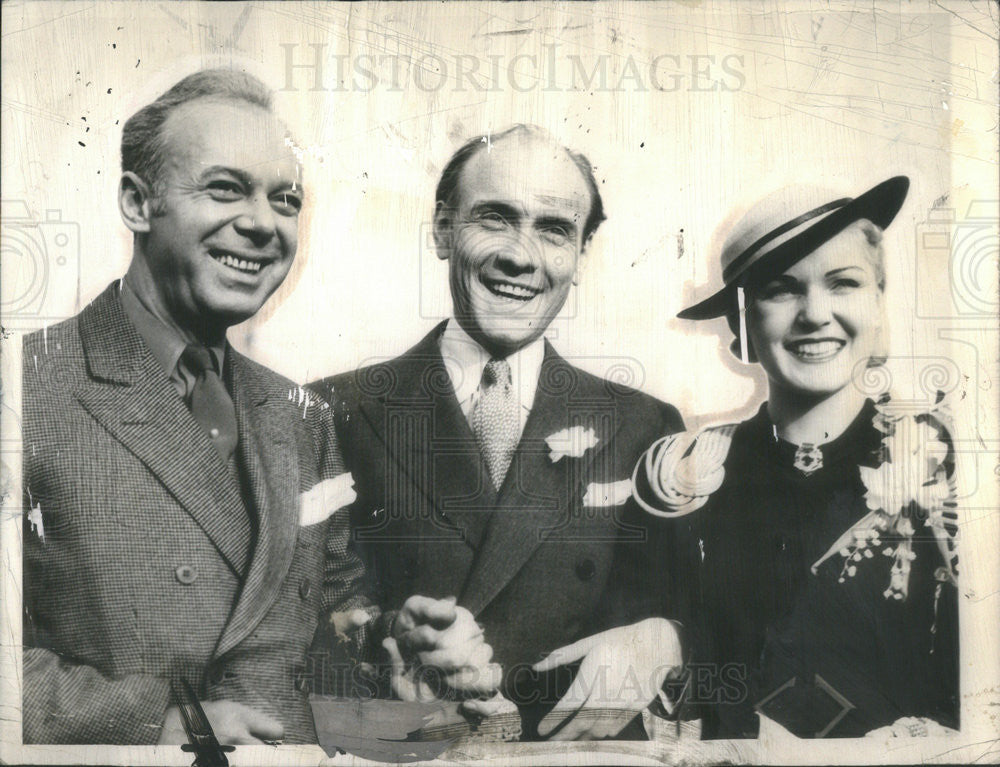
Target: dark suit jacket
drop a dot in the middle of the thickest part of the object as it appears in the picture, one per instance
(537, 566)
(138, 566)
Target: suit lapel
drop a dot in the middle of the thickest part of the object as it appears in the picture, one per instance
(429, 442)
(270, 466)
(434, 469)
(131, 396)
(539, 495)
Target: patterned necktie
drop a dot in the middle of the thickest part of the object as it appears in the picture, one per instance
(495, 419)
(210, 403)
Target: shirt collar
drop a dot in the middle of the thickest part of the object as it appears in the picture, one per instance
(165, 343)
(464, 359)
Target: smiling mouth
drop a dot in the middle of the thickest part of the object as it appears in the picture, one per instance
(815, 350)
(243, 265)
(510, 290)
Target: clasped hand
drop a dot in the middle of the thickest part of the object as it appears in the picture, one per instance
(437, 649)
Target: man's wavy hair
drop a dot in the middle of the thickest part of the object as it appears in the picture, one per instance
(143, 145)
(448, 184)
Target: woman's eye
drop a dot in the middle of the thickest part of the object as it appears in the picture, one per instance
(776, 292)
(844, 284)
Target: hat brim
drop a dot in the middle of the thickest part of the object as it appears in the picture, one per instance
(880, 204)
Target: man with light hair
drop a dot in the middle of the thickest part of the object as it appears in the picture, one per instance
(186, 529)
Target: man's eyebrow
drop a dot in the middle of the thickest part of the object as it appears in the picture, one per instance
(549, 220)
(215, 170)
(498, 206)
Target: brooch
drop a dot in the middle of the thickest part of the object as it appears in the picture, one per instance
(808, 458)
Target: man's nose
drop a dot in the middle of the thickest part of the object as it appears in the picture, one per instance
(815, 308)
(258, 219)
(521, 254)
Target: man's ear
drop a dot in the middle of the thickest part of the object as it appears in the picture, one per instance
(443, 221)
(135, 202)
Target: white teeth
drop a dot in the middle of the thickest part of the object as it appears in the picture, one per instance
(238, 263)
(811, 349)
(512, 291)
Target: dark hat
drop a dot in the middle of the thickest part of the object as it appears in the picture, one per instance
(787, 226)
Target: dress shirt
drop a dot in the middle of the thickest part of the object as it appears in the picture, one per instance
(165, 342)
(465, 359)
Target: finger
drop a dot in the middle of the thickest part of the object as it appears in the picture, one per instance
(578, 729)
(481, 655)
(358, 618)
(421, 638)
(574, 730)
(439, 613)
(558, 722)
(449, 659)
(262, 726)
(451, 652)
(576, 698)
(567, 654)
(395, 658)
(477, 708)
(349, 620)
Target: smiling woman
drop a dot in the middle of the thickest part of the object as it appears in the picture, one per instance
(814, 543)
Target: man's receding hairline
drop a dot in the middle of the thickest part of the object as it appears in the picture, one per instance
(530, 138)
(169, 122)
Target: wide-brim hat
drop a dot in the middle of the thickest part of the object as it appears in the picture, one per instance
(787, 226)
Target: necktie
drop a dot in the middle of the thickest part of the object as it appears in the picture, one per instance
(210, 403)
(495, 419)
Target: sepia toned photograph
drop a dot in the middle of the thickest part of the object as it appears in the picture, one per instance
(519, 383)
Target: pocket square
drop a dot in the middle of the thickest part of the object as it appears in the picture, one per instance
(320, 501)
(572, 442)
(607, 494)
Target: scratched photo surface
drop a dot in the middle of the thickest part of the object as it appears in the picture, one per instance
(687, 114)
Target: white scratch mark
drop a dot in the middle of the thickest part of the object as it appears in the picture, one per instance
(35, 519)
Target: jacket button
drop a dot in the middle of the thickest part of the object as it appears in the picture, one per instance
(305, 588)
(585, 569)
(186, 574)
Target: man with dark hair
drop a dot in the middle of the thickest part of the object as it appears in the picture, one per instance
(490, 469)
(186, 520)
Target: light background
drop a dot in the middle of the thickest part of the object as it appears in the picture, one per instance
(685, 109)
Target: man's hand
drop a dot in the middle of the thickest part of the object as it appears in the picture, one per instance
(623, 669)
(233, 724)
(437, 634)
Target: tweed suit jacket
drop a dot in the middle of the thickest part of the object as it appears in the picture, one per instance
(559, 553)
(140, 566)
